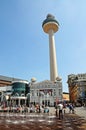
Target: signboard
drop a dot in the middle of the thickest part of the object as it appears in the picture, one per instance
(44, 92)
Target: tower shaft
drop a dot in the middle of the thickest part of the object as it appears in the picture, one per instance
(50, 26)
(52, 51)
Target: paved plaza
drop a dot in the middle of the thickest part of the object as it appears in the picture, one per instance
(43, 121)
(81, 111)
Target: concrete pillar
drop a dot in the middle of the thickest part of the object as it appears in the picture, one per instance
(53, 62)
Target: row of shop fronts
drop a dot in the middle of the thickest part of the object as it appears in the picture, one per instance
(24, 93)
(45, 92)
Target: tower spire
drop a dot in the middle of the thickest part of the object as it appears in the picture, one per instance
(50, 25)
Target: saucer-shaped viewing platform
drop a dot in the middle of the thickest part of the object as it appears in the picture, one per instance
(50, 23)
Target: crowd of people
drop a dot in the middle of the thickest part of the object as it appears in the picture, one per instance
(23, 109)
(60, 109)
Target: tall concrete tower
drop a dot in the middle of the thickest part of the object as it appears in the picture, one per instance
(50, 25)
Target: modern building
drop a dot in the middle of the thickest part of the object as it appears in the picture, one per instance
(20, 93)
(8, 88)
(7, 81)
(23, 92)
(77, 87)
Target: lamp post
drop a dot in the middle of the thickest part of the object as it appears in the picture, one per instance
(28, 99)
(7, 97)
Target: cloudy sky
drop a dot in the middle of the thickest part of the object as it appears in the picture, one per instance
(24, 47)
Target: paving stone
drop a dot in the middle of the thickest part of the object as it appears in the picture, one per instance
(68, 128)
(69, 122)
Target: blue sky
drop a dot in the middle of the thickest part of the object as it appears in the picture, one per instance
(24, 47)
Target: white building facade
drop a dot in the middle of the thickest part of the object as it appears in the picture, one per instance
(46, 92)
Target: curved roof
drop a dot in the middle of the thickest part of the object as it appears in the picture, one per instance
(50, 18)
(26, 82)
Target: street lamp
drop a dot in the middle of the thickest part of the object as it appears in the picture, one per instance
(28, 98)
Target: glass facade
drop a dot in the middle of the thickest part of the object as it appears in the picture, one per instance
(20, 89)
(20, 93)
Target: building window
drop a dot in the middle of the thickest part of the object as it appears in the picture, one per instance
(54, 92)
(37, 92)
(32, 92)
(60, 91)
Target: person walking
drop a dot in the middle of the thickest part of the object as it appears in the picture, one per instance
(60, 108)
(64, 107)
(56, 111)
(71, 108)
